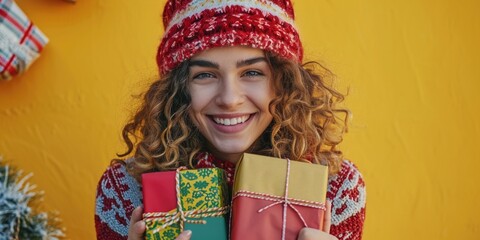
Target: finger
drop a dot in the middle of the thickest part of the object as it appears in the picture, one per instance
(137, 226)
(185, 235)
(310, 234)
(327, 217)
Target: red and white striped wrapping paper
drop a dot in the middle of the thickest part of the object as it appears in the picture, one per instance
(20, 40)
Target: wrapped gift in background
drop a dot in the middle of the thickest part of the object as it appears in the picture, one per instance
(20, 40)
(186, 199)
(275, 198)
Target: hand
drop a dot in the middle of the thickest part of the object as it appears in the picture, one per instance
(136, 231)
(315, 234)
(137, 227)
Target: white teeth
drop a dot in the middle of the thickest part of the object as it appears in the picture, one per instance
(231, 121)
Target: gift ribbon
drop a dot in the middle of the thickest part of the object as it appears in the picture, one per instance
(287, 202)
(178, 215)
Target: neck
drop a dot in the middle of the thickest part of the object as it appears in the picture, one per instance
(229, 157)
(232, 157)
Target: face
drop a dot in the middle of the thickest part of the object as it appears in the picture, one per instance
(231, 89)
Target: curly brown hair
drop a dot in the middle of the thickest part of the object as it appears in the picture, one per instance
(306, 126)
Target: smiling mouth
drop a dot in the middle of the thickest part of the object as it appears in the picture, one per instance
(231, 121)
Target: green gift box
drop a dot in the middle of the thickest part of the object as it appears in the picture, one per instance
(195, 199)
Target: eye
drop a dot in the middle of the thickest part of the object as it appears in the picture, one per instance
(203, 75)
(253, 73)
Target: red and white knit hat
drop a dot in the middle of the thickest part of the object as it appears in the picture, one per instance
(192, 26)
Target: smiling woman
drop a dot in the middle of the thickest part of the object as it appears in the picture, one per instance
(232, 82)
(231, 89)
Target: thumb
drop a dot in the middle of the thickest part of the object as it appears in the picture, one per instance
(327, 218)
(185, 235)
(137, 226)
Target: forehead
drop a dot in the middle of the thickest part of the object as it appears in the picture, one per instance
(229, 53)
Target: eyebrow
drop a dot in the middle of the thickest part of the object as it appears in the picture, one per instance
(246, 62)
(203, 63)
(241, 63)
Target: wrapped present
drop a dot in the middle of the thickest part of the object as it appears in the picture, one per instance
(20, 40)
(186, 199)
(275, 198)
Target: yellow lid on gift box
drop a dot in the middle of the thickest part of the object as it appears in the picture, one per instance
(262, 174)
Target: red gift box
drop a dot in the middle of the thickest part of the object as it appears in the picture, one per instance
(289, 196)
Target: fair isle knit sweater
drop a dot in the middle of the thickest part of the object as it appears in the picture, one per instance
(118, 194)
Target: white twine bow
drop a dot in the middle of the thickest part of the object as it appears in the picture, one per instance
(181, 216)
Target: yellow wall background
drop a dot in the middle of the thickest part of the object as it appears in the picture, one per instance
(412, 69)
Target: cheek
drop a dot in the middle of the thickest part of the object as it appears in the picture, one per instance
(196, 108)
(200, 96)
(193, 113)
(263, 95)
(195, 100)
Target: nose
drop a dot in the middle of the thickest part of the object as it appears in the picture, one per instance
(230, 93)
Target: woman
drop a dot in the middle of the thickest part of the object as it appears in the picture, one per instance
(231, 82)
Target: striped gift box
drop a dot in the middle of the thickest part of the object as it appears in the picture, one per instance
(20, 40)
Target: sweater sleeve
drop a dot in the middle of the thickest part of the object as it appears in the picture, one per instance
(348, 195)
(117, 195)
